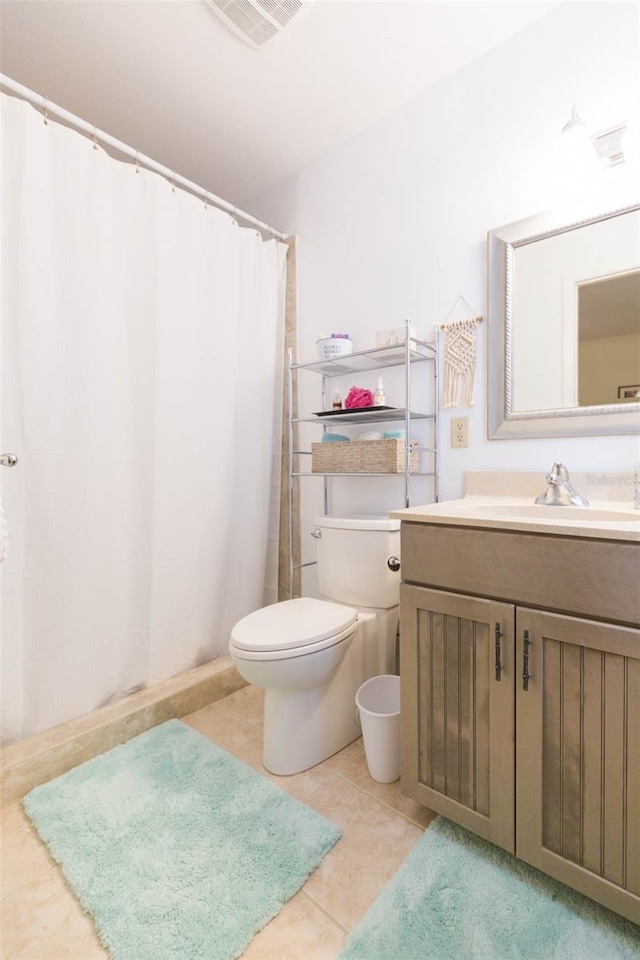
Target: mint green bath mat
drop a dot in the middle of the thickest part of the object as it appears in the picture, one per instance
(457, 897)
(176, 849)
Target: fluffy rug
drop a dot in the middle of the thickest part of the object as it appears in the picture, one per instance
(457, 897)
(176, 849)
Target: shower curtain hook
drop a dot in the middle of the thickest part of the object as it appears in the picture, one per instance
(45, 111)
(137, 161)
(206, 200)
(173, 181)
(93, 138)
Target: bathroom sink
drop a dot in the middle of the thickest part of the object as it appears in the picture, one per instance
(541, 511)
(507, 502)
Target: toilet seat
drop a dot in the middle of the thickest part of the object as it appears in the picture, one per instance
(292, 628)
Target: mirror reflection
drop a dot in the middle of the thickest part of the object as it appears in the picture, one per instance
(609, 340)
(576, 316)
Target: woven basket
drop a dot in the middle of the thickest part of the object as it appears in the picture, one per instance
(362, 456)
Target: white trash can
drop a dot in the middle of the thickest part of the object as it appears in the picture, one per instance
(378, 703)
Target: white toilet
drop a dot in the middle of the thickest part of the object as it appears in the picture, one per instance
(312, 655)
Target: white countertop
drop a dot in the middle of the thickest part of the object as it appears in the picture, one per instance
(510, 506)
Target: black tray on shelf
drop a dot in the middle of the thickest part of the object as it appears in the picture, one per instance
(351, 410)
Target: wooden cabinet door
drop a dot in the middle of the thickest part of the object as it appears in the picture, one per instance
(578, 755)
(458, 708)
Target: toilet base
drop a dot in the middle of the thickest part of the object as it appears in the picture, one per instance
(304, 727)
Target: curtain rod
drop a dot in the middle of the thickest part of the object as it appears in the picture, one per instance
(49, 108)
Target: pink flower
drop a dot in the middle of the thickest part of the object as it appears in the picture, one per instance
(358, 397)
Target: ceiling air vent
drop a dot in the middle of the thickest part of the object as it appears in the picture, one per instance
(258, 21)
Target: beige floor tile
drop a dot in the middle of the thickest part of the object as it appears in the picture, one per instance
(222, 726)
(43, 921)
(247, 703)
(351, 763)
(301, 931)
(23, 855)
(341, 759)
(300, 785)
(375, 842)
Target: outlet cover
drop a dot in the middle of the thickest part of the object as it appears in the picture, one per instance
(460, 432)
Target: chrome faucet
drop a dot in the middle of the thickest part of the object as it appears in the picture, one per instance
(560, 492)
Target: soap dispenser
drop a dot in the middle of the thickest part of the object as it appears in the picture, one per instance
(378, 397)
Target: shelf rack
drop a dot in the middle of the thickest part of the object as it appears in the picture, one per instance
(412, 351)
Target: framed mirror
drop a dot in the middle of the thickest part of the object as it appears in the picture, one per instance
(564, 327)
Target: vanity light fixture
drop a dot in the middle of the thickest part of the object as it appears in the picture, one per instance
(575, 124)
(608, 147)
(578, 155)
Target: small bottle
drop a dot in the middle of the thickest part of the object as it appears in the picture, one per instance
(337, 401)
(378, 397)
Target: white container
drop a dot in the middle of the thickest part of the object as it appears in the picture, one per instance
(378, 703)
(352, 560)
(331, 347)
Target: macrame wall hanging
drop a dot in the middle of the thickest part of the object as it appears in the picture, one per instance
(460, 358)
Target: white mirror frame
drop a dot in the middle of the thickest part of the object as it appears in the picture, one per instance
(503, 422)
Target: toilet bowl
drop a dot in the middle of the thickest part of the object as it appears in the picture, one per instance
(311, 655)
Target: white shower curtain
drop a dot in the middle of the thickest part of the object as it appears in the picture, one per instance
(140, 335)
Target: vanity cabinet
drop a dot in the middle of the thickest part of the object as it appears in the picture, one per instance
(523, 724)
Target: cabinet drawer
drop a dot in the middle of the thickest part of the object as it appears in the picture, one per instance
(592, 578)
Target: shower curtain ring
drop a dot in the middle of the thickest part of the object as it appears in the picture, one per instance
(93, 138)
(45, 111)
(173, 182)
(206, 200)
(137, 161)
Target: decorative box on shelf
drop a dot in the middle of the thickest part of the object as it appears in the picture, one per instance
(363, 456)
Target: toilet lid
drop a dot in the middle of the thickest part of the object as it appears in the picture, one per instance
(292, 623)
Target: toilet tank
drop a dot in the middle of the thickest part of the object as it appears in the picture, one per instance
(352, 560)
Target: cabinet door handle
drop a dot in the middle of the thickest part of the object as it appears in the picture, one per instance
(526, 676)
(498, 637)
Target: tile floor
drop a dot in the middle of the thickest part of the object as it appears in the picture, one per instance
(41, 920)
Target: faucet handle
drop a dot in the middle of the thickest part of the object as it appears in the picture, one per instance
(557, 474)
(560, 490)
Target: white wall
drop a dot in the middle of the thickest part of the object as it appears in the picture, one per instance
(394, 222)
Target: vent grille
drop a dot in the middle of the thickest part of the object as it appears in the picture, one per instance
(258, 21)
